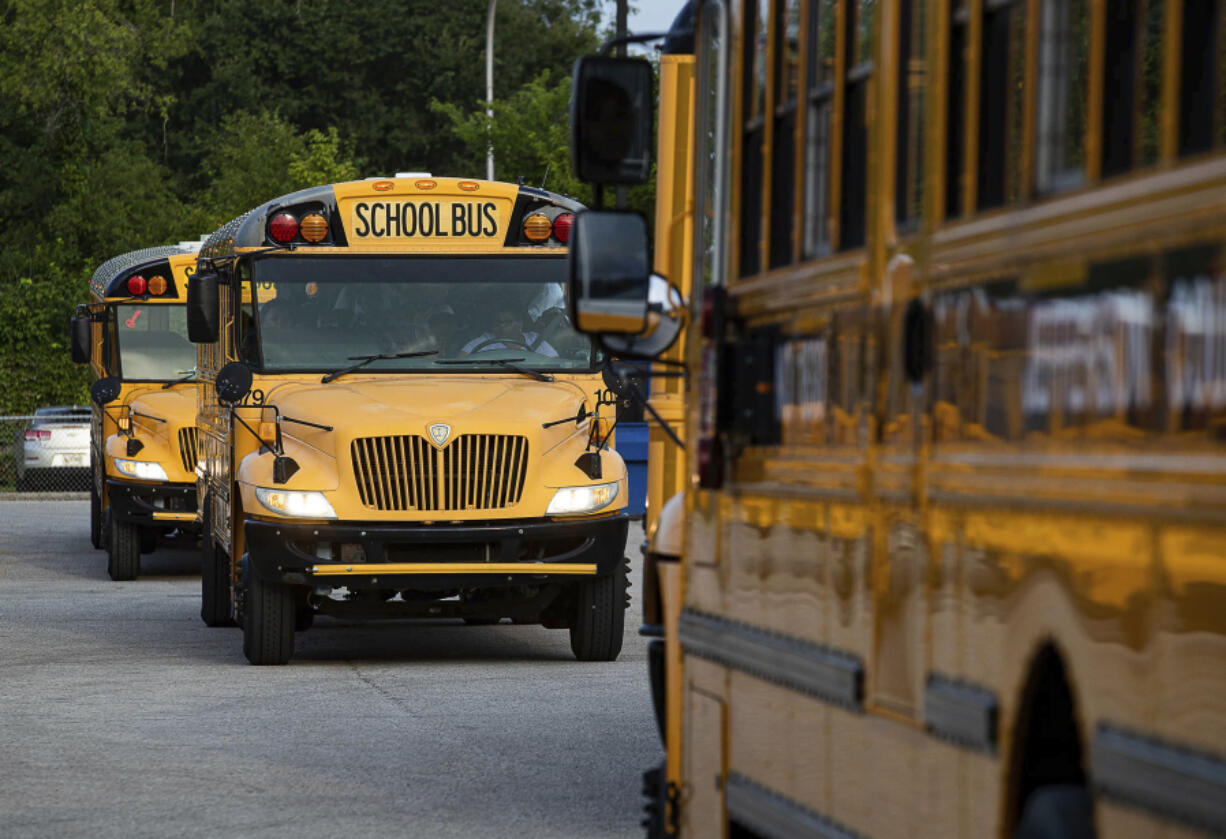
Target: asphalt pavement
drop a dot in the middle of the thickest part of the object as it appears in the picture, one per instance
(123, 715)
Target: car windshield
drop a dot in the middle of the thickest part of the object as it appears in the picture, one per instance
(153, 343)
(321, 313)
(61, 416)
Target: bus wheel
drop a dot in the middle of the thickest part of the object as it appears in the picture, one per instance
(1058, 811)
(599, 617)
(122, 551)
(215, 580)
(95, 517)
(268, 620)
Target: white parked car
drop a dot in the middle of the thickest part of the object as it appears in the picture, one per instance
(55, 450)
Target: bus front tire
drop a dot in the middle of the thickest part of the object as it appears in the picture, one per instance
(269, 618)
(599, 617)
(122, 551)
(215, 580)
(95, 517)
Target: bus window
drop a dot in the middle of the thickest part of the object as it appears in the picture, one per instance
(316, 313)
(820, 85)
(912, 79)
(752, 134)
(152, 342)
(1063, 71)
(853, 203)
(783, 151)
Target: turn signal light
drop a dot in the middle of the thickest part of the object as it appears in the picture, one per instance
(537, 227)
(314, 228)
(268, 433)
(561, 227)
(137, 285)
(283, 228)
(157, 284)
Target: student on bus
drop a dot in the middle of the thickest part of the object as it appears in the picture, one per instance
(509, 324)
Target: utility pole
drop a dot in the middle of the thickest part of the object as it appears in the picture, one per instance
(619, 199)
(489, 89)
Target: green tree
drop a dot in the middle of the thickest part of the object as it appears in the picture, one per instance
(530, 134)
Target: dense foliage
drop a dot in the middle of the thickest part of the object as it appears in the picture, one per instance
(131, 123)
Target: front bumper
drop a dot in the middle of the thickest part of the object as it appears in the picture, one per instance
(153, 504)
(436, 557)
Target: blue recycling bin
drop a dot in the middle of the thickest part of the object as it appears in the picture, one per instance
(632, 446)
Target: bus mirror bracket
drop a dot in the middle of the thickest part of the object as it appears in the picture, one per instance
(203, 312)
(611, 120)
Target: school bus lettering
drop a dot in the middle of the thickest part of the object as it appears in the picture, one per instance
(425, 219)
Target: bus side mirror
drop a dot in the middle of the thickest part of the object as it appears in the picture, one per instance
(203, 313)
(79, 339)
(105, 390)
(609, 273)
(610, 120)
(233, 383)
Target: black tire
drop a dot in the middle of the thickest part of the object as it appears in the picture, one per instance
(122, 550)
(1057, 811)
(599, 617)
(304, 617)
(268, 622)
(216, 582)
(23, 484)
(95, 517)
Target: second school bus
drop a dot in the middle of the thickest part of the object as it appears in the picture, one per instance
(951, 558)
(133, 333)
(397, 419)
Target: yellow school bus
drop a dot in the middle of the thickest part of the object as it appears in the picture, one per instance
(953, 543)
(397, 419)
(133, 334)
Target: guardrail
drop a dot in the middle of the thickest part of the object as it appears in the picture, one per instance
(39, 465)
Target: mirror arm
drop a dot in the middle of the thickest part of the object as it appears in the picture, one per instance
(613, 43)
(637, 395)
(301, 422)
(234, 414)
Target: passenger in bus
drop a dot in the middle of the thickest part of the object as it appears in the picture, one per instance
(507, 332)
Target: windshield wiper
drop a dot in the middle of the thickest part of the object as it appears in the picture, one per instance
(191, 374)
(501, 362)
(363, 360)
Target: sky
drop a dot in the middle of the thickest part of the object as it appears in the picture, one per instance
(652, 15)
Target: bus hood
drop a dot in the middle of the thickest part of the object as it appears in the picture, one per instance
(468, 404)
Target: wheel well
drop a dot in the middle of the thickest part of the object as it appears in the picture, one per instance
(1047, 745)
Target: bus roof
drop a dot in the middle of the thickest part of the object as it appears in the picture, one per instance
(351, 210)
(101, 284)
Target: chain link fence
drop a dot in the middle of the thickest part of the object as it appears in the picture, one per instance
(45, 452)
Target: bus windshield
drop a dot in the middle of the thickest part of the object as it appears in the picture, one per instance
(321, 312)
(153, 344)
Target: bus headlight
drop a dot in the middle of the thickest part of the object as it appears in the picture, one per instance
(307, 505)
(570, 501)
(141, 469)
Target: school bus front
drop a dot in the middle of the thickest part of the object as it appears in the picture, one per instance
(419, 434)
(143, 436)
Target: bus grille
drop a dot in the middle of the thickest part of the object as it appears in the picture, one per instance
(474, 472)
(188, 438)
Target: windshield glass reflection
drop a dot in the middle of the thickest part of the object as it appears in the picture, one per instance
(153, 344)
(319, 313)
